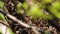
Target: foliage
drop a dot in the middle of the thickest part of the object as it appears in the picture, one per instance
(55, 9)
(2, 17)
(1, 4)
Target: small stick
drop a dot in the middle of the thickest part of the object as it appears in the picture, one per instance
(18, 21)
(23, 24)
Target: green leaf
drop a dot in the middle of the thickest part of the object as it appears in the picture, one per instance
(10, 31)
(47, 16)
(19, 9)
(46, 1)
(2, 17)
(36, 12)
(55, 9)
(25, 5)
(18, 6)
(1, 4)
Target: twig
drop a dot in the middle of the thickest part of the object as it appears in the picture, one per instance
(35, 30)
(18, 21)
(23, 24)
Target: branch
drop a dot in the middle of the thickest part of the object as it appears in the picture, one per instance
(18, 21)
(23, 24)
